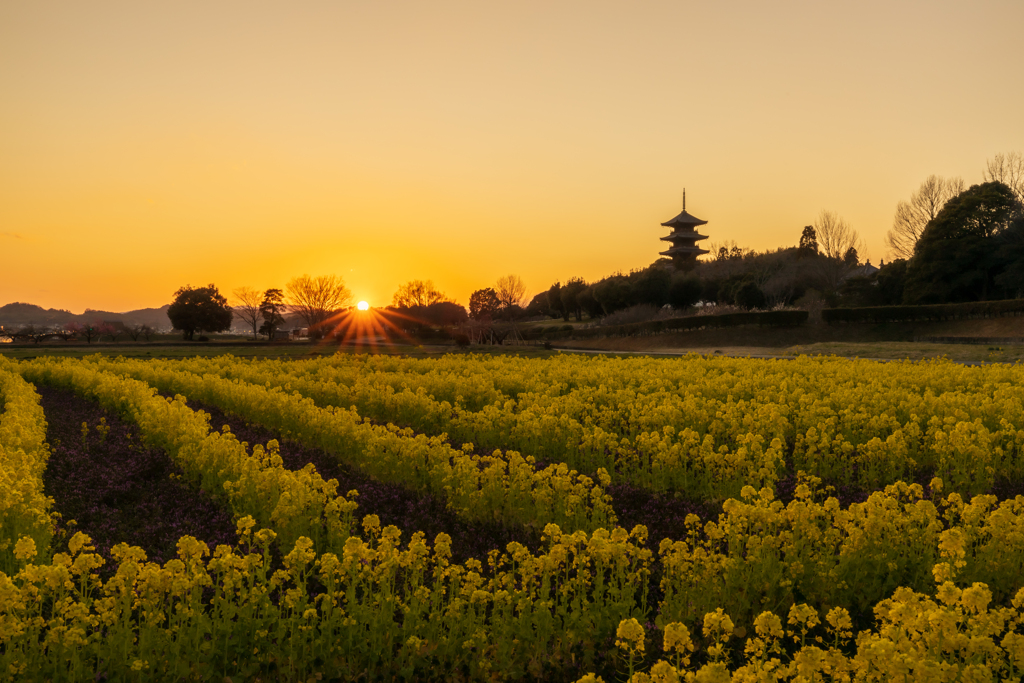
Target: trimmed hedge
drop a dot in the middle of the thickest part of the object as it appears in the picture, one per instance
(927, 313)
(762, 318)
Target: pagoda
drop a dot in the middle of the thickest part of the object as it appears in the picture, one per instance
(684, 237)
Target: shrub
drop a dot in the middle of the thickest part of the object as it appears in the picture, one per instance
(926, 313)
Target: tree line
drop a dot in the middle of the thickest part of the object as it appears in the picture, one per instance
(948, 243)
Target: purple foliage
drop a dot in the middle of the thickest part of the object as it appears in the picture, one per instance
(118, 490)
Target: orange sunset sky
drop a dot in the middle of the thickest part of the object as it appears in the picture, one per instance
(148, 145)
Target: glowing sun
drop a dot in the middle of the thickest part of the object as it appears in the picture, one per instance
(363, 306)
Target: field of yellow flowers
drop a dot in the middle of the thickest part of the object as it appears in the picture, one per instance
(359, 518)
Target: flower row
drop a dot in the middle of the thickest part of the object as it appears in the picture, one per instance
(24, 507)
(501, 487)
(294, 502)
(706, 427)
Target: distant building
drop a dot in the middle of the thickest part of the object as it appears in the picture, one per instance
(684, 237)
(867, 270)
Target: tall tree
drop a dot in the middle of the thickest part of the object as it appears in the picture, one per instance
(554, 297)
(199, 309)
(651, 286)
(510, 290)
(483, 303)
(569, 295)
(835, 240)
(684, 291)
(958, 256)
(272, 309)
(808, 242)
(614, 293)
(247, 307)
(316, 299)
(1007, 169)
(912, 217)
(834, 234)
(418, 293)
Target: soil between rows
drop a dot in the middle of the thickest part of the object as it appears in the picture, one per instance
(410, 511)
(115, 489)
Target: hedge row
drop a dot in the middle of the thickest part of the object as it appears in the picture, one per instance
(929, 313)
(763, 318)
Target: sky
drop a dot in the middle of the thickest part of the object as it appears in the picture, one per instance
(149, 145)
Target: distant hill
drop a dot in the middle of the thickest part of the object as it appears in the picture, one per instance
(19, 314)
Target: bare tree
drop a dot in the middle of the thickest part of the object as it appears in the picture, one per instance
(248, 306)
(136, 330)
(418, 293)
(510, 290)
(315, 299)
(836, 239)
(835, 236)
(1009, 170)
(912, 217)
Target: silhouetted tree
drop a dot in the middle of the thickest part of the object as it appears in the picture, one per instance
(87, 331)
(1007, 169)
(483, 303)
(912, 217)
(590, 305)
(538, 305)
(651, 286)
(33, 333)
(957, 256)
(850, 258)
(614, 293)
(749, 295)
(684, 291)
(113, 329)
(64, 332)
(137, 330)
(835, 239)
(510, 291)
(417, 293)
(248, 307)
(444, 313)
(272, 309)
(808, 242)
(316, 299)
(554, 295)
(569, 293)
(199, 309)
(891, 279)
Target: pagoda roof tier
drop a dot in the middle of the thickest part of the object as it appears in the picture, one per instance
(681, 249)
(690, 236)
(684, 220)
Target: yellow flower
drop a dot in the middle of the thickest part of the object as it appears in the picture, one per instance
(630, 635)
(25, 549)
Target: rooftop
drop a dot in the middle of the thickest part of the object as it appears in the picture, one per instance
(683, 249)
(684, 220)
(674, 236)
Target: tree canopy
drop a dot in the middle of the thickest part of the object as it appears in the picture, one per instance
(483, 303)
(316, 299)
(569, 295)
(417, 293)
(199, 309)
(808, 242)
(958, 256)
(272, 310)
(912, 217)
